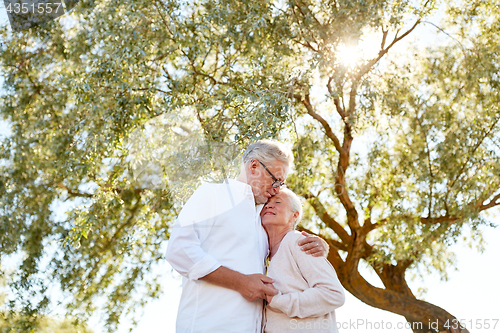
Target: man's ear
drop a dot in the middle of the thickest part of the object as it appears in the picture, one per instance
(253, 166)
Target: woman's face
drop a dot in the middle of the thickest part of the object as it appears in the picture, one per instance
(278, 212)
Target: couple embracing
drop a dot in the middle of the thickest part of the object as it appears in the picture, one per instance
(244, 267)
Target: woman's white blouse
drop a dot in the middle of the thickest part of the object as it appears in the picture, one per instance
(310, 291)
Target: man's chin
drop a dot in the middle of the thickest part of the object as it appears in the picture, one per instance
(261, 200)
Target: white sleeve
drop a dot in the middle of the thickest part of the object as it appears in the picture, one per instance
(184, 250)
(324, 295)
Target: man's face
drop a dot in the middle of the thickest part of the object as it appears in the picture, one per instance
(261, 181)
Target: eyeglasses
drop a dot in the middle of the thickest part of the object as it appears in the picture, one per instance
(276, 183)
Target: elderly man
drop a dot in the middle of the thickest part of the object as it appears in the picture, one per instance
(219, 246)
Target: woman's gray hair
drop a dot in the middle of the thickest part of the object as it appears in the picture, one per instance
(295, 204)
(268, 151)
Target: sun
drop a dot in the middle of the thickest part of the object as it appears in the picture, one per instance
(353, 55)
(348, 56)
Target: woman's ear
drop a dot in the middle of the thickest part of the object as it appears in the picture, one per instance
(294, 217)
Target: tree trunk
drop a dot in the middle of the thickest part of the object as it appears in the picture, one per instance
(423, 317)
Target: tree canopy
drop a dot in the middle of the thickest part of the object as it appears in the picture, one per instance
(397, 150)
(44, 324)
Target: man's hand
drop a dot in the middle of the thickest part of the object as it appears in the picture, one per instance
(252, 287)
(256, 286)
(314, 245)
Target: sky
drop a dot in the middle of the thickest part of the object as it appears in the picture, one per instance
(471, 292)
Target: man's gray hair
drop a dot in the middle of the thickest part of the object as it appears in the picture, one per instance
(295, 204)
(268, 151)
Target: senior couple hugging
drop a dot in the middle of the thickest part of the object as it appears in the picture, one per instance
(244, 267)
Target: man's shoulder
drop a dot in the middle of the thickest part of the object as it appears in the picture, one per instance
(210, 191)
(231, 189)
(206, 186)
(204, 191)
(220, 186)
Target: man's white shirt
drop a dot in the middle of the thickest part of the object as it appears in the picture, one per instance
(218, 226)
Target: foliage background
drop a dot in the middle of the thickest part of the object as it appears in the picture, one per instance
(70, 146)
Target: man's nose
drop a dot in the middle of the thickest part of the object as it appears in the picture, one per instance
(276, 190)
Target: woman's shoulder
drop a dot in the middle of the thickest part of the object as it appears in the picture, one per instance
(291, 239)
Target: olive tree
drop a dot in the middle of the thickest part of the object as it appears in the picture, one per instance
(396, 152)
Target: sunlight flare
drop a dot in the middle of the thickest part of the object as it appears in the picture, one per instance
(353, 55)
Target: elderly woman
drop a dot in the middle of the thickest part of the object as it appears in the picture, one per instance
(309, 290)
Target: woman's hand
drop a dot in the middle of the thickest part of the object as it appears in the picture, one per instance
(269, 297)
(257, 286)
(314, 245)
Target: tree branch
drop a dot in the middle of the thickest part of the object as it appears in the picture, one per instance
(308, 11)
(429, 162)
(367, 67)
(336, 101)
(478, 206)
(447, 34)
(113, 238)
(493, 203)
(331, 242)
(384, 38)
(328, 220)
(328, 130)
(74, 193)
(469, 156)
(306, 44)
